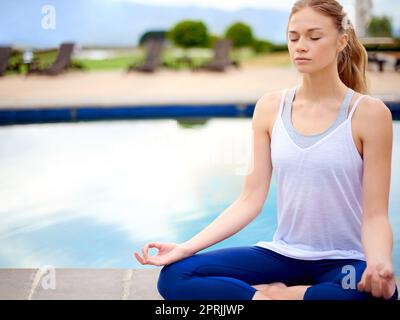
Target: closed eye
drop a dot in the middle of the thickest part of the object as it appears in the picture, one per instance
(314, 39)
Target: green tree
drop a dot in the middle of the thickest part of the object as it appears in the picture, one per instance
(262, 46)
(212, 39)
(189, 33)
(240, 34)
(380, 27)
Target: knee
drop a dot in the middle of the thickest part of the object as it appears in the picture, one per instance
(164, 282)
(168, 281)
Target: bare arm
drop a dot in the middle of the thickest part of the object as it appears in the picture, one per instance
(376, 232)
(377, 153)
(255, 188)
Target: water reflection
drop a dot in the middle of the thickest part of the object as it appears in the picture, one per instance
(89, 194)
(192, 123)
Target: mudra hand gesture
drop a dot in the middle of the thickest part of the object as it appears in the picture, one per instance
(167, 253)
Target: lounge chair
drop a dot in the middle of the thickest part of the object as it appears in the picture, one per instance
(373, 58)
(397, 64)
(5, 54)
(221, 59)
(62, 62)
(154, 50)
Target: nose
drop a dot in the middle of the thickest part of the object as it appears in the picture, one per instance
(300, 46)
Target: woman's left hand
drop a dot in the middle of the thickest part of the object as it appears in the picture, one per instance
(378, 278)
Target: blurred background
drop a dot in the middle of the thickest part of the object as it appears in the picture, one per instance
(110, 34)
(124, 122)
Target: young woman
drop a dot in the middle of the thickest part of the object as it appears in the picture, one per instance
(330, 146)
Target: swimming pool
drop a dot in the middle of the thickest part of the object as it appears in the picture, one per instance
(88, 194)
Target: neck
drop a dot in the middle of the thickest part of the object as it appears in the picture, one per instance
(323, 85)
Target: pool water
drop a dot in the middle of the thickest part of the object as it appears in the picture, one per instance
(89, 194)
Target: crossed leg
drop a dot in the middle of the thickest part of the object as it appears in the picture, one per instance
(330, 283)
(227, 274)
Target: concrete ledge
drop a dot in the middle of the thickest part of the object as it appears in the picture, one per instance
(16, 283)
(82, 284)
(79, 284)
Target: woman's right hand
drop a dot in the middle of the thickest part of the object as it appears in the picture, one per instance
(167, 253)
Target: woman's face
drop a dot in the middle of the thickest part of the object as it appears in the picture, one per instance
(313, 36)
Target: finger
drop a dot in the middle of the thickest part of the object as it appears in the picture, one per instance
(154, 262)
(152, 245)
(387, 289)
(386, 274)
(376, 287)
(155, 245)
(361, 284)
(139, 258)
(367, 282)
(147, 247)
(135, 255)
(145, 251)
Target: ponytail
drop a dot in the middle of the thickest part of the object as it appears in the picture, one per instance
(352, 61)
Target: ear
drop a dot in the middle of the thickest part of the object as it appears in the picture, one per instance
(342, 42)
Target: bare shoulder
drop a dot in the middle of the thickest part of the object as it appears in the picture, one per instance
(372, 116)
(266, 110)
(373, 105)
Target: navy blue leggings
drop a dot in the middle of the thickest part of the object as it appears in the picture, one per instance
(229, 273)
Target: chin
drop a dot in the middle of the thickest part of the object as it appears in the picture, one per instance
(303, 69)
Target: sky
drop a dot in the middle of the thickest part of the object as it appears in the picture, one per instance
(390, 7)
(380, 7)
(220, 4)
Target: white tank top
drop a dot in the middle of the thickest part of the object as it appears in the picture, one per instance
(319, 189)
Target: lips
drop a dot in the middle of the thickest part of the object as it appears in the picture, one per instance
(302, 59)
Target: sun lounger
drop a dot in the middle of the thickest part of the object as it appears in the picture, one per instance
(153, 58)
(5, 54)
(62, 62)
(397, 64)
(221, 59)
(374, 58)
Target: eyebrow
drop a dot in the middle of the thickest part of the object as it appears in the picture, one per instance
(312, 29)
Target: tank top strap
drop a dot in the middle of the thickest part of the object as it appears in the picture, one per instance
(355, 106)
(292, 92)
(282, 103)
(347, 99)
(288, 103)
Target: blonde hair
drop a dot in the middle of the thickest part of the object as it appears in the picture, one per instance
(352, 61)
